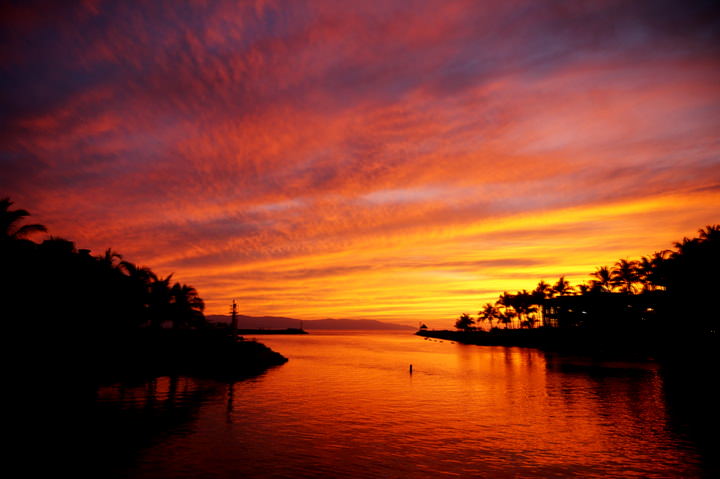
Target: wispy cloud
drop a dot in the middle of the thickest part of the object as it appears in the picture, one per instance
(379, 160)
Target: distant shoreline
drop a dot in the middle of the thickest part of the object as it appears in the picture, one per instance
(280, 322)
(271, 331)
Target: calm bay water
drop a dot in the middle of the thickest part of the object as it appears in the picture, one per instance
(346, 405)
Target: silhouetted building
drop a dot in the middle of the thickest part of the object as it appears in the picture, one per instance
(601, 310)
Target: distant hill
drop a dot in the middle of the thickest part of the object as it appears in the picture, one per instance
(275, 322)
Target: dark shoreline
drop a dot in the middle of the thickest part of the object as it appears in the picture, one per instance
(598, 343)
(149, 353)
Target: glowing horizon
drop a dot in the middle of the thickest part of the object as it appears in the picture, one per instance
(401, 161)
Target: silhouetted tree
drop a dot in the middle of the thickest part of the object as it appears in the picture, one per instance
(187, 306)
(543, 291)
(159, 301)
(489, 313)
(507, 311)
(524, 305)
(506, 316)
(562, 287)
(465, 322)
(99, 293)
(584, 288)
(624, 275)
(677, 284)
(603, 279)
(86, 317)
(110, 258)
(690, 277)
(9, 219)
(540, 295)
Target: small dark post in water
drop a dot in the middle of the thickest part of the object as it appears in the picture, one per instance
(411, 369)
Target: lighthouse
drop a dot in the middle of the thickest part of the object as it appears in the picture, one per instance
(234, 320)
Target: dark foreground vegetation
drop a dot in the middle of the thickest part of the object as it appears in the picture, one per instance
(663, 304)
(100, 317)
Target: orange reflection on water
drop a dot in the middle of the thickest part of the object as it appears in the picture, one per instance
(467, 409)
(347, 405)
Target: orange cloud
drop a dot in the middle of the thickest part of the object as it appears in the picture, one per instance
(378, 161)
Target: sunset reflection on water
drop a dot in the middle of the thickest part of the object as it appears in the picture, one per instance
(346, 405)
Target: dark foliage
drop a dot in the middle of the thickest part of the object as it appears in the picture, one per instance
(64, 289)
(667, 295)
(92, 317)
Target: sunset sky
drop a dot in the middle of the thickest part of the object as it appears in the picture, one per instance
(393, 160)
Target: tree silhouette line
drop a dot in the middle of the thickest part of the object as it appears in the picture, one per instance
(53, 278)
(82, 318)
(666, 290)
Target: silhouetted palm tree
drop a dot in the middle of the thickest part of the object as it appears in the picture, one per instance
(465, 322)
(142, 274)
(689, 246)
(524, 304)
(710, 233)
(540, 295)
(188, 307)
(585, 288)
(648, 270)
(624, 275)
(503, 303)
(140, 279)
(603, 279)
(562, 287)
(543, 291)
(506, 305)
(507, 316)
(110, 258)
(160, 300)
(9, 219)
(489, 313)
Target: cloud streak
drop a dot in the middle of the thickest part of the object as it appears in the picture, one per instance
(336, 158)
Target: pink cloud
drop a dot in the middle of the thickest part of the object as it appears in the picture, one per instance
(218, 140)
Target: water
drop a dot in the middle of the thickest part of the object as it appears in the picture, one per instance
(346, 405)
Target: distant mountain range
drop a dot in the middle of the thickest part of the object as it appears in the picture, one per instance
(275, 322)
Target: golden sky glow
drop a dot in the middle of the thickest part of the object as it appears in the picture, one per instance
(396, 160)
